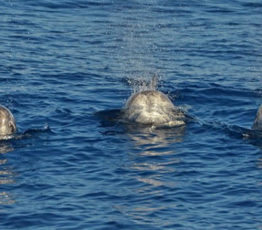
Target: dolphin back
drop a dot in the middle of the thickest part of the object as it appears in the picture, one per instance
(258, 121)
(7, 121)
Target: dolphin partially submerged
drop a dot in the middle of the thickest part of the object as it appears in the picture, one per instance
(152, 107)
(7, 122)
(258, 120)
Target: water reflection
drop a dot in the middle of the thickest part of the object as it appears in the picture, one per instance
(6, 199)
(5, 148)
(154, 167)
(156, 158)
(259, 166)
(6, 174)
(148, 137)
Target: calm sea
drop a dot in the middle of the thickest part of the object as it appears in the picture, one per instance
(63, 61)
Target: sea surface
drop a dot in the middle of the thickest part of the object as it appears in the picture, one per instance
(64, 63)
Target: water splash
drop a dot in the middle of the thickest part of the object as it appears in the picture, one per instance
(137, 52)
(142, 83)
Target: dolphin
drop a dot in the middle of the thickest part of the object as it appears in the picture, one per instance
(7, 122)
(258, 120)
(152, 107)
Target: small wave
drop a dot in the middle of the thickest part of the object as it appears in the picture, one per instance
(252, 5)
(6, 137)
(68, 4)
(32, 132)
(26, 134)
(253, 134)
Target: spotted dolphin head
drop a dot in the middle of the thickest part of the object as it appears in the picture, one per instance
(7, 122)
(258, 121)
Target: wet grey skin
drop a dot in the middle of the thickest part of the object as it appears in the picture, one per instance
(258, 121)
(152, 107)
(7, 122)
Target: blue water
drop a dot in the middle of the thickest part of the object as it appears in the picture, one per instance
(63, 62)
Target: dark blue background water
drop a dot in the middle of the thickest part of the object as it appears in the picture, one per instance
(63, 61)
